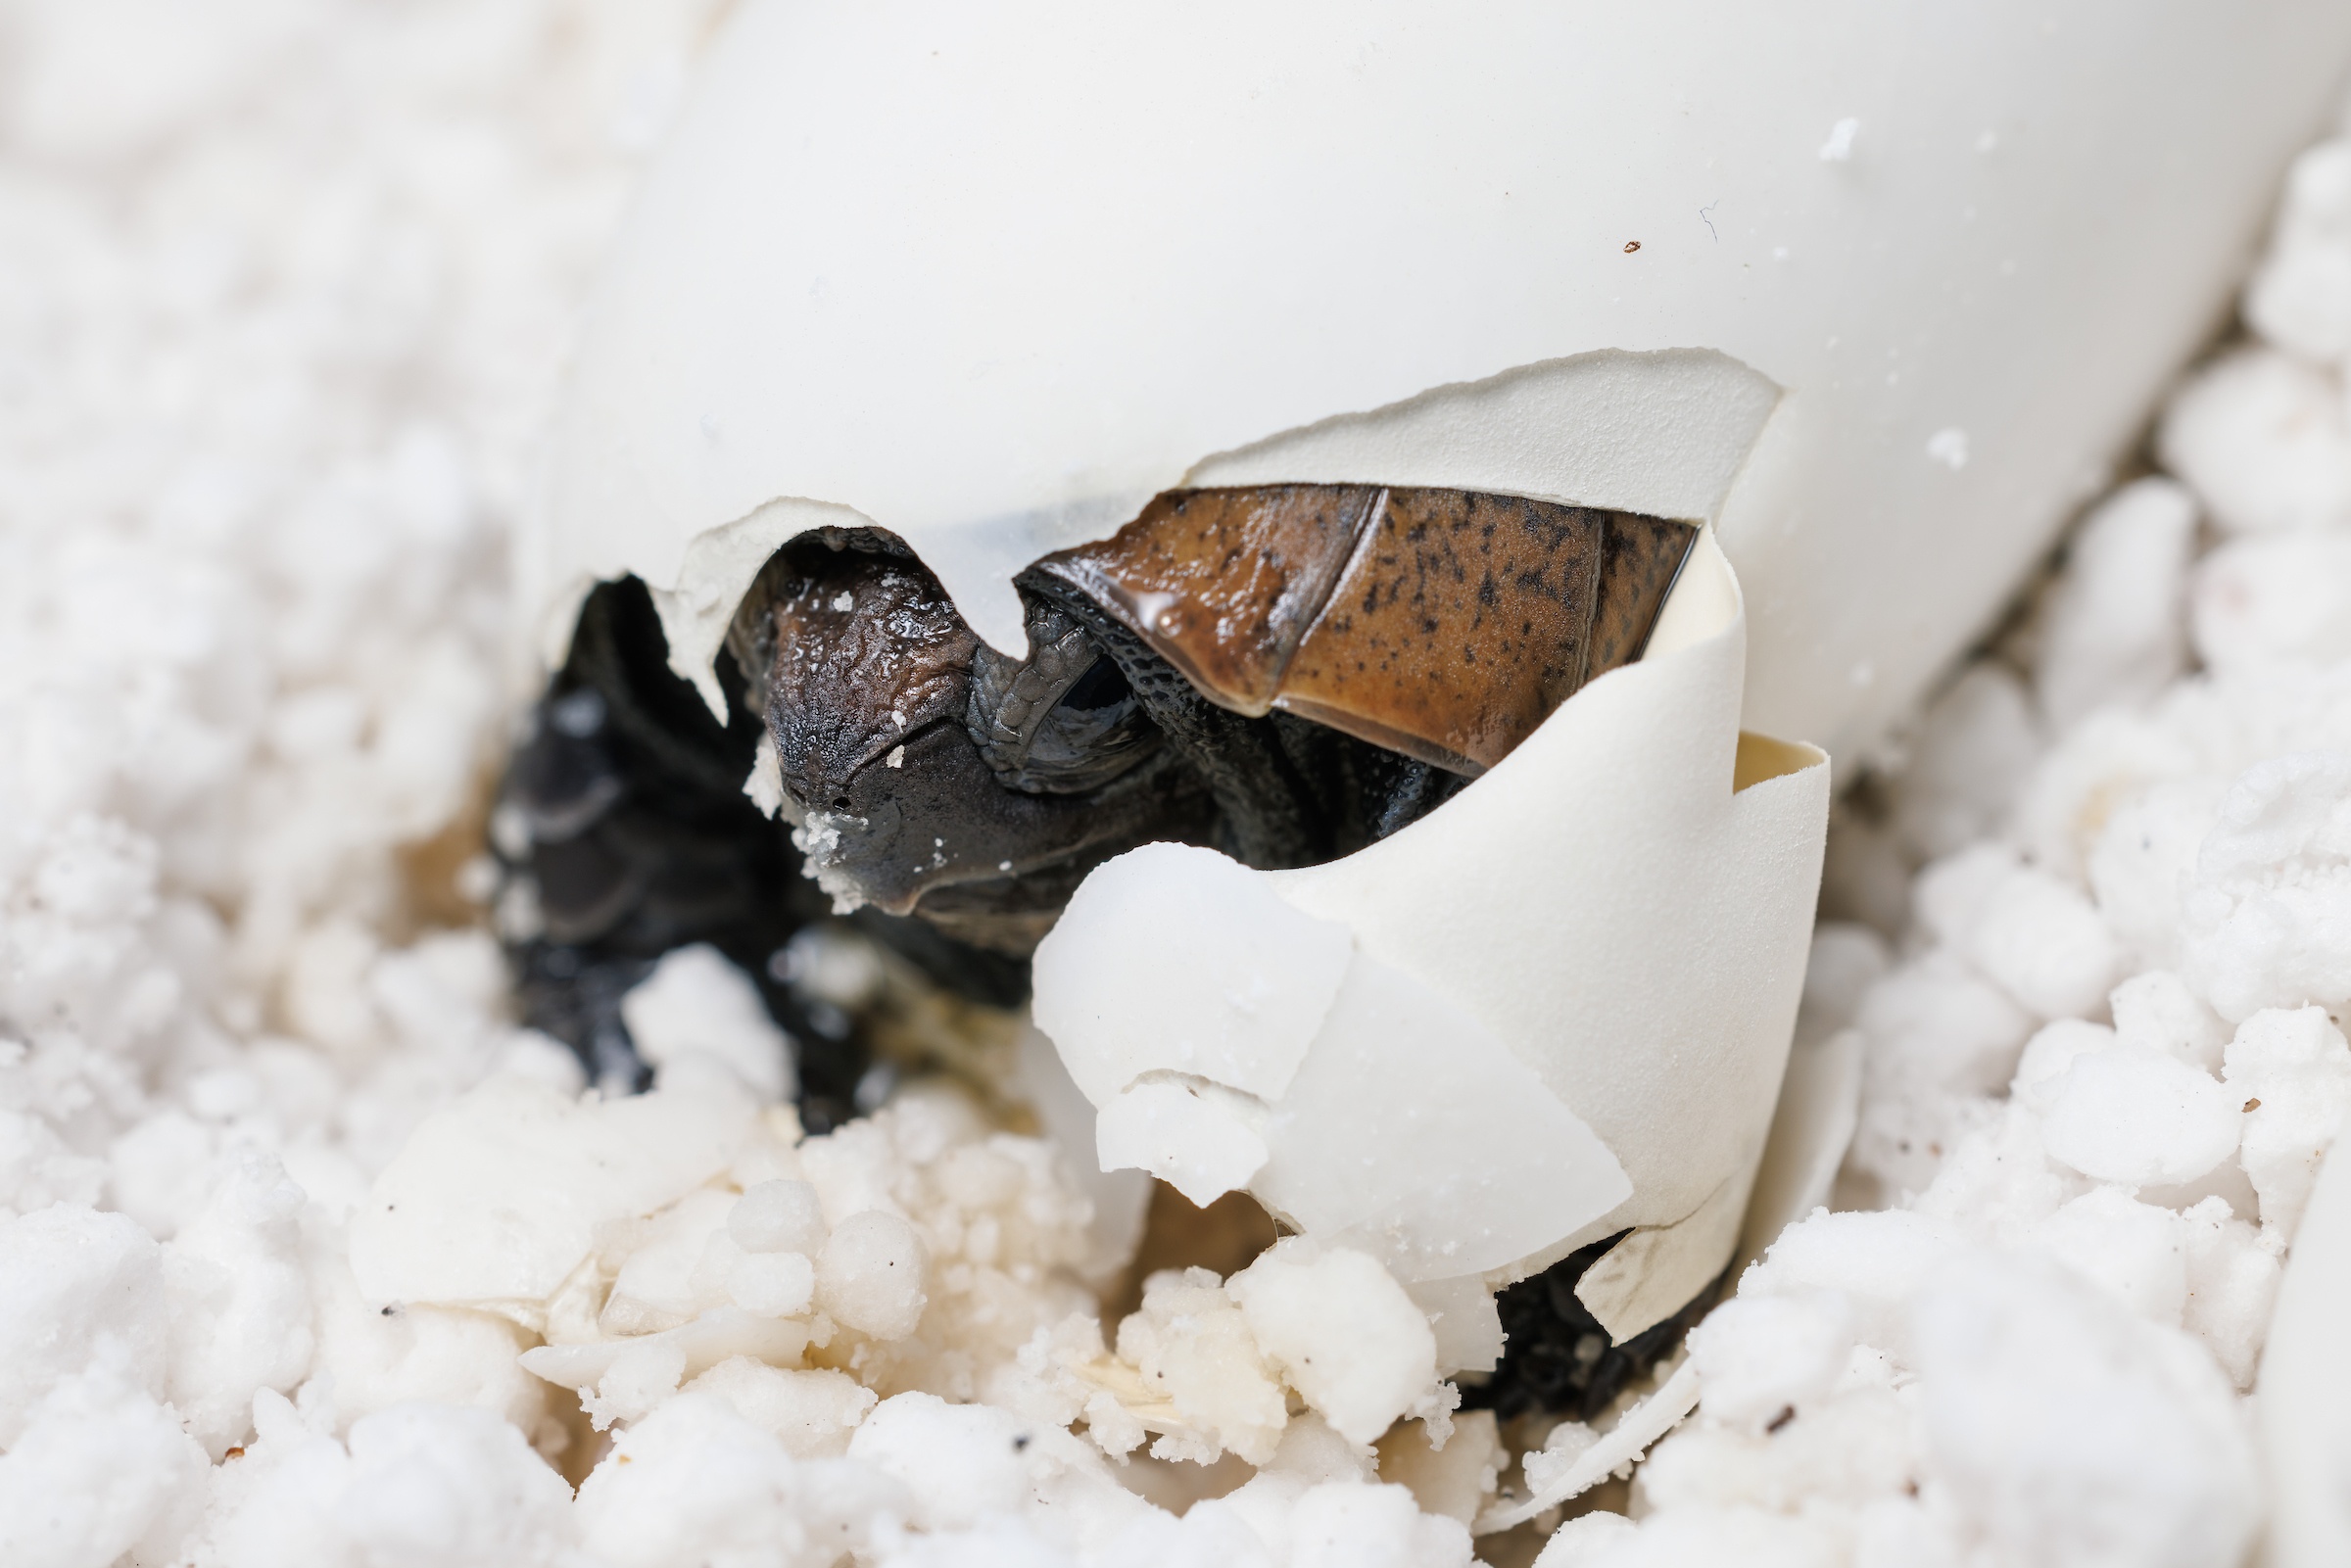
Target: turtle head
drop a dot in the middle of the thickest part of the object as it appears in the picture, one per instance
(929, 774)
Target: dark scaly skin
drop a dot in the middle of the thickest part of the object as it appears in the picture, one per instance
(1557, 1359)
(868, 697)
(869, 678)
(618, 831)
(624, 829)
(1268, 817)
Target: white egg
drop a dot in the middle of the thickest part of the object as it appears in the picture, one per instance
(1876, 292)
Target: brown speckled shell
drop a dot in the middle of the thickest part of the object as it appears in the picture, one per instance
(1445, 624)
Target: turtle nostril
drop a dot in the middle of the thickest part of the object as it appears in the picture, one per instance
(841, 802)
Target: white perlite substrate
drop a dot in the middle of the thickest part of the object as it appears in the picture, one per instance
(307, 1257)
(2102, 1054)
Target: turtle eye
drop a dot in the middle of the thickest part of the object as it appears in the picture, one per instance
(1065, 720)
(1103, 684)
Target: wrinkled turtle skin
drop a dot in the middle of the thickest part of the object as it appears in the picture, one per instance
(1285, 673)
(1557, 1359)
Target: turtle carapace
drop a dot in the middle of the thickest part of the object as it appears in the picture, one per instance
(1285, 673)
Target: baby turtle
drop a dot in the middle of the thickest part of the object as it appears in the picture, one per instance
(1284, 672)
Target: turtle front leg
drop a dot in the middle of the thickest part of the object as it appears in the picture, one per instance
(623, 832)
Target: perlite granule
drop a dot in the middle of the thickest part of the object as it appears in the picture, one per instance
(287, 294)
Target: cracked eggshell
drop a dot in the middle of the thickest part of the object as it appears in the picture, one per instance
(991, 279)
(1569, 1002)
(1260, 976)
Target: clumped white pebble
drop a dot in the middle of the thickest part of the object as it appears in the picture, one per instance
(1875, 1259)
(2134, 1116)
(1191, 1346)
(2263, 438)
(2136, 1251)
(2295, 1071)
(501, 1194)
(696, 1003)
(2001, 1181)
(967, 1465)
(2300, 296)
(1973, 743)
(2043, 944)
(871, 1275)
(1343, 1333)
(2141, 857)
(2232, 1272)
(2073, 1433)
(421, 1354)
(696, 1483)
(1378, 1527)
(2268, 918)
(2113, 633)
(658, 1286)
(2160, 1010)
(772, 1284)
(99, 1469)
(1761, 1355)
(2274, 599)
(778, 1216)
(421, 1483)
(2041, 1072)
(76, 1285)
(1940, 1035)
(810, 1410)
(240, 1303)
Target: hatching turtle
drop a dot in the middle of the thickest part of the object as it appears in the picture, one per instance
(1283, 672)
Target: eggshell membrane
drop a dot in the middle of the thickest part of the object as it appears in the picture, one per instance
(993, 279)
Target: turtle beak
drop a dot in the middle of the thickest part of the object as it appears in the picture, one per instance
(866, 703)
(893, 830)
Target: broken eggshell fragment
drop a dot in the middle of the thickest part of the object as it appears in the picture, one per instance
(1563, 1008)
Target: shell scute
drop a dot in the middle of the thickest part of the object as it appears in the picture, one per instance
(1222, 584)
(1471, 619)
(1444, 624)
